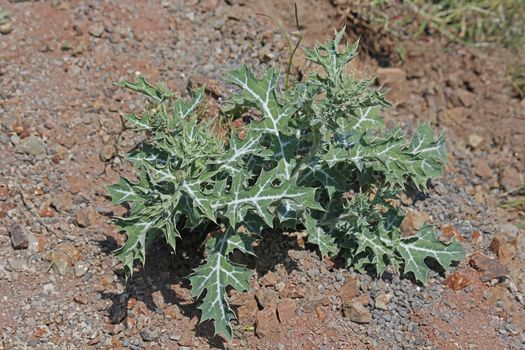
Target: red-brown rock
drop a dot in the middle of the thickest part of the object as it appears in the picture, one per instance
(86, 217)
(504, 249)
(62, 201)
(266, 296)
(477, 237)
(290, 290)
(36, 243)
(320, 314)
(186, 339)
(59, 260)
(4, 192)
(356, 312)
(483, 169)
(497, 242)
(349, 290)
(489, 268)
(71, 251)
(458, 280)
(286, 310)
(208, 5)
(269, 279)
(247, 309)
(412, 222)
(267, 322)
(77, 184)
(42, 331)
(455, 115)
(364, 299)
(510, 178)
(46, 212)
(172, 311)
(450, 232)
(463, 97)
(396, 80)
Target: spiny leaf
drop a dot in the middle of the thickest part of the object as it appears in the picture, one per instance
(135, 247)
(380, 251)
(139, 123)
(415, 250)
(140, 85)
(239, 151)
(169, 226)
(329, 56)
(262, 94)
(261, 196)
(215, 276)
(148, 154)
(316, 235)
(423, 144)
(365, 119)
(182, 109)
(124, 191)
(253, 223)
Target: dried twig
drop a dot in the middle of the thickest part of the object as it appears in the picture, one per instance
(29, 206)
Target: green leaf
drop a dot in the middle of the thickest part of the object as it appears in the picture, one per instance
(330, 57)
(140, 85)
(169, 226)
(240, 241)
(415, 250)
(317, 174)
(364, 119)
(235, 158)
(182, 109)
(262, 195)
(199, 199)
(428, 156)
(423, 144)
(124, 191)
(261, 93)
(135, 247)
(139, 123)
(148, 154)
(374, 241)
(215, 276)
(253, 223)
(318, 236)
(161, 174)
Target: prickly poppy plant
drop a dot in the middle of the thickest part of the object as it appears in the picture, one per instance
(316, 158)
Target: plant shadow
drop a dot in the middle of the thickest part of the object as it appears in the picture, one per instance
(161, 285)
(272, 250)
(164, 278)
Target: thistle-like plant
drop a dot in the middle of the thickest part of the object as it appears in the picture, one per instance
(317, 158)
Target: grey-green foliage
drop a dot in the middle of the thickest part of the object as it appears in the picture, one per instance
(317, 159)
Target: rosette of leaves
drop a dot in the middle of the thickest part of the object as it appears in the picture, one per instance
(318, 159)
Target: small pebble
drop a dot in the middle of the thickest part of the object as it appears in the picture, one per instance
(80, 268)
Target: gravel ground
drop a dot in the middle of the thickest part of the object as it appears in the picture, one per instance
(62, 138)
